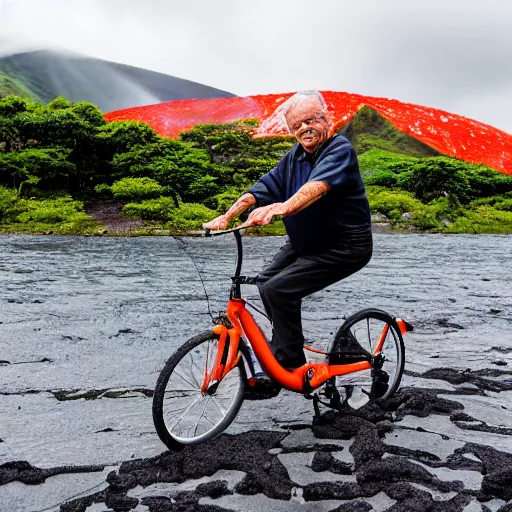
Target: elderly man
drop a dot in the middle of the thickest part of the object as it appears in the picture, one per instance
(318, 190)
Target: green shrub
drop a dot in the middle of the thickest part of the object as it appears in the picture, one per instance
(425, 219)
(380, 160)
(10, 205)
(51, 211)
(49, 168)
(136, 189)
(103, 190)
(502, 202)
(59, 215)
(203, 187)
(391, 202)
(482, 219)
(382, 179)
(151, 209)
(223, 201)
(437, 176)
(189, 216)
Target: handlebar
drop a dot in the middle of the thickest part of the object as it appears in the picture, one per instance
(209, 232)
(237, 280)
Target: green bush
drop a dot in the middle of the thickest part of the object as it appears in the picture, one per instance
(136, 189)
(504, 204)
(382, 179)
(485, 182)
(391, 202)
(12, 105)
(50, 211)
(189, 216)
(437, 176)
(425, 219)
(59, 215)
(482, 219)
(500, 202)
(202, 188)
(150, 209)
(10, 205)
(47, 168)
(380, 160)
(223, 201)
(103, 190)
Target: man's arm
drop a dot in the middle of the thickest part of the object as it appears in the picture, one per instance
(239, 206)
(306, 195)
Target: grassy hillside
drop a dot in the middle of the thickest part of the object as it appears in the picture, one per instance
(44, 75)
(368, 129)
(9, 84)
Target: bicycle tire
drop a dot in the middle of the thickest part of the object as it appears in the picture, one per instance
(163, 412)
(377, 317)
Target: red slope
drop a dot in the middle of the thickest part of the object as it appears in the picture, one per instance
(450, 134)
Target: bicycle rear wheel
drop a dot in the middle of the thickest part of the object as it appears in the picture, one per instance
(371, 328)
(182, 414)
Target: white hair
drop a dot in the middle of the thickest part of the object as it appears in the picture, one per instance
(276, 122)
(301, 97)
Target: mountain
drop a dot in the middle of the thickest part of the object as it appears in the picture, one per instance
(368, 129)
(45, 74)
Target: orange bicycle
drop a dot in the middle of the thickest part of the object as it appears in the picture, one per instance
(203, 384)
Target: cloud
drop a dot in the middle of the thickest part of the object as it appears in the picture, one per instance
(454, 55)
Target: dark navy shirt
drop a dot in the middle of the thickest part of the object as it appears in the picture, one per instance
(342, 215)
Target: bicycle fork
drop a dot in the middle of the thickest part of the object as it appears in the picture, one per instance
(226, 359)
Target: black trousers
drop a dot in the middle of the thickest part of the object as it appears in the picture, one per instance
(290, 277)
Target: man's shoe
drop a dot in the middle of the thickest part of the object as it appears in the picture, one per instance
(261, 386)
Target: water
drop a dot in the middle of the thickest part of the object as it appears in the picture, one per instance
(67, 299)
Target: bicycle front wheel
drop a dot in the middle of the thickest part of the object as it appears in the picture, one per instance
(182, 414)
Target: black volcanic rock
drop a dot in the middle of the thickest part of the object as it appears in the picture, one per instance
(109, 85)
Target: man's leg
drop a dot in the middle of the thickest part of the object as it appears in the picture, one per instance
(285, 256)
(282, 294)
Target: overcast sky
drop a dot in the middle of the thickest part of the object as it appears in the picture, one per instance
(454, 55)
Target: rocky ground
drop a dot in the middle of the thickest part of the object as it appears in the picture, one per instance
(86, 324)
(107, 213)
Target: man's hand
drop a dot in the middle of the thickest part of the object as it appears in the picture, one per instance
(240, 205)
(217, 224)
(263, 216)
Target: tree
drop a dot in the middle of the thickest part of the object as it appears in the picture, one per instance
(89, 113)
(49, 169)
(12, 105)
(437, 177)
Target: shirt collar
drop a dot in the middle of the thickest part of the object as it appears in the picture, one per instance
(304, 155)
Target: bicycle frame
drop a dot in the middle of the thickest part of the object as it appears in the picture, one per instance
(302, 380)
(314, 374)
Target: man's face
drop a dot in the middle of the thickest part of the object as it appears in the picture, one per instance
(309, 123)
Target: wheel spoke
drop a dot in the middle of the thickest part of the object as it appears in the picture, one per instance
(221, 409)
(186, 410)
(191, 372)
(202, 414)
(183, 378)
